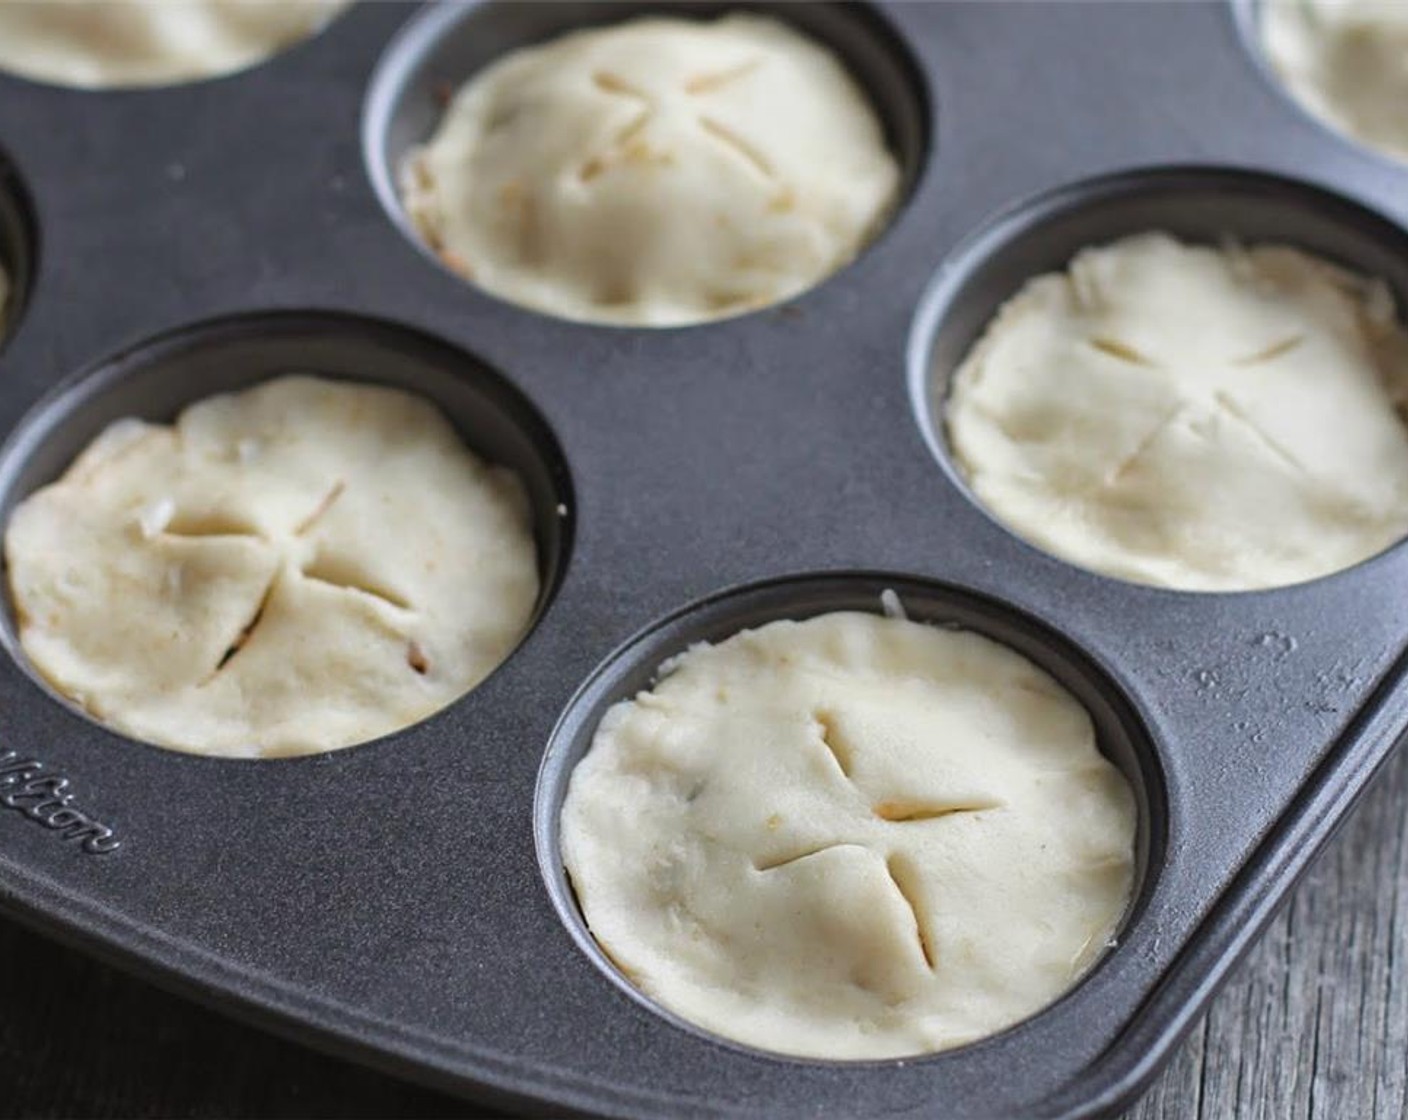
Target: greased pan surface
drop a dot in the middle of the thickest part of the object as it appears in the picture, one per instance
(401, 901)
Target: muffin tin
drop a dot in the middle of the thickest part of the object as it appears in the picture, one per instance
(402, 901)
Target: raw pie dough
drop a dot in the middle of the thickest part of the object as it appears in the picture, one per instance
(850, 837)
(1191, 417)
(660, 172)
(1347, 62)
(294, 568)
(112, 43)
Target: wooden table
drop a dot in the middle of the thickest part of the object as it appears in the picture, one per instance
(1314, 1024)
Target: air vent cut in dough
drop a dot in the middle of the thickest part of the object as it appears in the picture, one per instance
(850, 837)
(102, 44)
(293, 568)
(659, 172)
(1191, 417)
(1347, 62)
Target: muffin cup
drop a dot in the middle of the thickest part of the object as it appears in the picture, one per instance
(158, 379)
(443, 47)
(1119, 732)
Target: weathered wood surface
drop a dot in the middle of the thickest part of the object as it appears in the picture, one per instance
(1313, 1025)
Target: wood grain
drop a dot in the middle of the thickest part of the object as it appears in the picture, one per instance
(1313, 1026)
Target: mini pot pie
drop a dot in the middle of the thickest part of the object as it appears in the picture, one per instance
(103, 44)
(660, 172)
(1346, 61)
(293, 568)
(1191, 417)
(850, 837)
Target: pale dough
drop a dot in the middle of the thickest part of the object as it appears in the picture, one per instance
(112, 43)
(1347, 62)
(850, 837)
(293, 568)
(659, 172)
(1191, 417)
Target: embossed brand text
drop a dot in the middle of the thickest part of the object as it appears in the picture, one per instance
(27, 787)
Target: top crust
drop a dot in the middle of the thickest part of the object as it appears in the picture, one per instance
(850, 837)
(109, 43)
(1188, 417)
(659, 172)
(1347, 62)
(294, 568)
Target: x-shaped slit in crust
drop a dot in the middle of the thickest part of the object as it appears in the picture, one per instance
(1231, 408)
(901, 812)
(739, 146)
(415, 656)
(593, 166)
(897, 811)
(1272, 352)
(608, 82)
(797, 857)
(246, 631)
(716, 80)
(211, 526)
(173, 522)
(832, 741)
(902, 877)
(321, 569)
(327, 502)
(328, 570)
(614, 84)
(1122, 351)
(1222, 401)
(183, 524)
(1120, 469)
(1225, 404)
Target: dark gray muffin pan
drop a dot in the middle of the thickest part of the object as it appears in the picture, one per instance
(402, 902)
